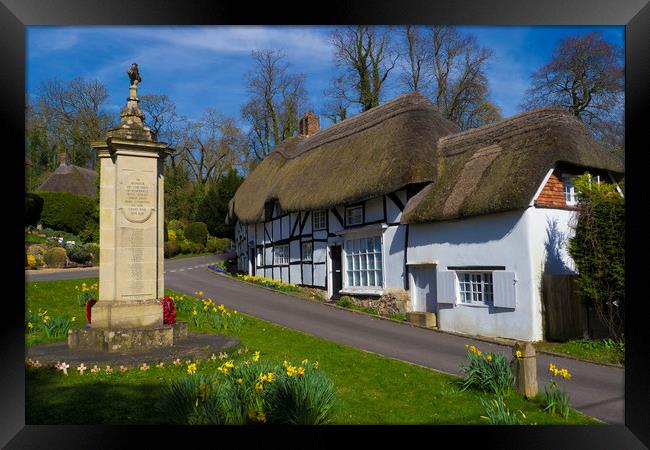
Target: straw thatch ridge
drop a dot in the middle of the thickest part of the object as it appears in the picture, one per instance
(73, 179)
(374, 153)
(499, 167)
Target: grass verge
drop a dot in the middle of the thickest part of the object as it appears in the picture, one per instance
(371, 389)
(596, 350)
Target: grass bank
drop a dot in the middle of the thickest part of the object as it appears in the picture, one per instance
(371, 389)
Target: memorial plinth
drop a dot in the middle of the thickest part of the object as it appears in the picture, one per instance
(129, 314)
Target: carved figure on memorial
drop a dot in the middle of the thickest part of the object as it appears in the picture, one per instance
(134, 74)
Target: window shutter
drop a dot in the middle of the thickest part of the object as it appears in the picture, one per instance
(446, 286)
(504, 289)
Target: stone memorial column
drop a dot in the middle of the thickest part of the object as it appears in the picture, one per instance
(128, 314)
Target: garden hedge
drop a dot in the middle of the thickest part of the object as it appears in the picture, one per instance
(67, 212)
(33, 208)
(197, 232)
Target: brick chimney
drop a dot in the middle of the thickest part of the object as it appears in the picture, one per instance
(309, 124)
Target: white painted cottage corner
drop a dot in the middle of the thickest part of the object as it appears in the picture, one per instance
(399, 197)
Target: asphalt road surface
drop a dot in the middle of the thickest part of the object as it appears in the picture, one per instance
(594, 389)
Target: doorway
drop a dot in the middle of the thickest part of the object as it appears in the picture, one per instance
(336, 274)
(423, 288)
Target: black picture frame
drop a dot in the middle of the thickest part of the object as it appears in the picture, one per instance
(15, 15)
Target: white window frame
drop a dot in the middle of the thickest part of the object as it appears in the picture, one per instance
(570, 196)
(307, 249)
(379, 280)
(319, 220)
(280, 258)
(259, 259)
(479, 295)
(348, 211)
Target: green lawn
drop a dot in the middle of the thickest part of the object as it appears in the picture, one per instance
(371, 389)
(597, 350)
(191, 255)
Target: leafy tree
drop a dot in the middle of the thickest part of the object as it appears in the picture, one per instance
(598, 250)
(277, 98)
(180, 193)
(585, 76)
(366, 56)
(214, 208)
(73, 115)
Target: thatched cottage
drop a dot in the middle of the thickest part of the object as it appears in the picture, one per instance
(398, 197)
(71, 178)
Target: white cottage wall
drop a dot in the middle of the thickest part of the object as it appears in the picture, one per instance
(496, 240)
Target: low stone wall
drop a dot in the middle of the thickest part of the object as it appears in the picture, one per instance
(394, 301)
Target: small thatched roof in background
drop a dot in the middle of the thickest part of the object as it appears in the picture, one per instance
(371, 154)
(73, 179)
(499, 167)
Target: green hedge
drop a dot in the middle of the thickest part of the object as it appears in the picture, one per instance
(33, 208)
(197, 232)
(68, 212)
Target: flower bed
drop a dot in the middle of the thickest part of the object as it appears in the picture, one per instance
(269, 283)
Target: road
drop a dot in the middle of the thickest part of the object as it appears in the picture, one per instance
(596, 390)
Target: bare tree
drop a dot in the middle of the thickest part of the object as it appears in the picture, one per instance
(416, 61)
(460, 87)
(585, 76)
(276, 100)
(337, 106)
(366, 56)
(210, 146)
(163, 120)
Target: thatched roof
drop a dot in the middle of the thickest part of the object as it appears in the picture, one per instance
(371, 154)
(74, 179)
(499, 167)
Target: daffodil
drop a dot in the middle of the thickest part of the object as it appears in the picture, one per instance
(240, 381)
(256, 356)
(291, 371)
(301, 371)
(518, 354)
(191, 368)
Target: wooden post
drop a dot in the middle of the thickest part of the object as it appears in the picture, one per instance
(525, 369)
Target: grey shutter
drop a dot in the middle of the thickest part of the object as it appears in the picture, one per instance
(504, 289)
(446, 286)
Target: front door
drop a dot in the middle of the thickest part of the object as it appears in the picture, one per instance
(337, 276)
(424, 288)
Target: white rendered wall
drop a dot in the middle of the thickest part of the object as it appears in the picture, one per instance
(495, 240)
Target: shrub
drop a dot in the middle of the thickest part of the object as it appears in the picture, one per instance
(33, 208)
(171, 236)
(38, 253)
(79, 253)
(496, 412)
(598, 249)
(178, 228)
(171, 249)
(218, 245)
(344, 301)
(55, 257)
(487, 372)
(185, 246)
(67, 212)
(197, 232)
(94, 252)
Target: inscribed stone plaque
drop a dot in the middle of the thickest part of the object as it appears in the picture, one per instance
(137, 197)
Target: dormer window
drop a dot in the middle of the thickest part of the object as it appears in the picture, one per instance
(569, 190)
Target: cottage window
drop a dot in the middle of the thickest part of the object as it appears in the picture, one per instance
(354, 215)
(363, 259)
(319, 220)
(281, 255)
(475, 287)
(307, 251)
(260, 256)
(569, 191)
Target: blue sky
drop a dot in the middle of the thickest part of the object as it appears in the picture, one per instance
(205, 66)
